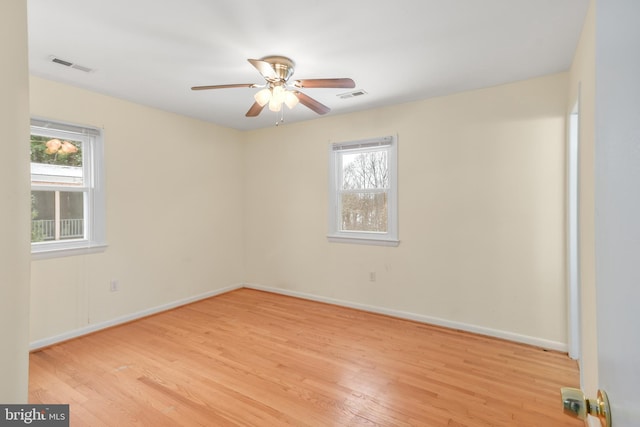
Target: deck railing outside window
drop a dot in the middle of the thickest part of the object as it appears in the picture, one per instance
(68, 229)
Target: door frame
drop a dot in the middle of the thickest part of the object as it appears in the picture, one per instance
(573, 231)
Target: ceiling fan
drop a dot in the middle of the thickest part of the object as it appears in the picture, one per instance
(277, 70)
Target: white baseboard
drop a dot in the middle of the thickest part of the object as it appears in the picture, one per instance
(538, 342)
(35, 345)
(496, 333)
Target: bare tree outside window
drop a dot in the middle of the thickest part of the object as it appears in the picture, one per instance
(365, 185)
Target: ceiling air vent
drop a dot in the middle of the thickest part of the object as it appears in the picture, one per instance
(358, 92)
(70, 64)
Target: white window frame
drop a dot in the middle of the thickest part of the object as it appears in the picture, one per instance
(94, 202)
(388, 238)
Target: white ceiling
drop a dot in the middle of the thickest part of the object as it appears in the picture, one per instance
(153, 51)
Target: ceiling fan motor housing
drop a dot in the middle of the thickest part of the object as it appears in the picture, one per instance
(283, 67)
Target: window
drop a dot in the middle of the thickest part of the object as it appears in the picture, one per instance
(363, 192)
(67, 195)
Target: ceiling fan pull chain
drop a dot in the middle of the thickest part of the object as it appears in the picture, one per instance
(281, 117)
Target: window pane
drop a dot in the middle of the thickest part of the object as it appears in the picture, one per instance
(362, 171)
(55, 161)
(57, 215)
(71, 215)
(364, 212)
(42, 214)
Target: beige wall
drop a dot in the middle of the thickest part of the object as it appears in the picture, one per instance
(582, 87)
(14, 213)
(481, 188)
(174, 214)
(194, 208)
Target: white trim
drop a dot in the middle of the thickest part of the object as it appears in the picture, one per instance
(66, 128)
(72, 248)
(496, 333)
(45, 342)
(363, 241)
(573, 231)
(384, 141)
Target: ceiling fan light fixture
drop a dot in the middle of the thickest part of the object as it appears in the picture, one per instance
(275, 106)
(263, 96)
(290, 99)
(278, 94)
(277, 98)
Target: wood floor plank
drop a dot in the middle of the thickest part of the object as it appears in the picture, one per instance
(251, 358)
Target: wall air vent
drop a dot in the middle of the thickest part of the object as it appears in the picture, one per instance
(352, 94)
(69, 64)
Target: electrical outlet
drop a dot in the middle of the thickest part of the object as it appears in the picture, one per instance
(114, 285)
(372, 276)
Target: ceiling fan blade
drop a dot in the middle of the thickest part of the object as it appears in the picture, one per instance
(311, 103)
(224, 86)
(254, 110)
(316, 83)
(264, 68)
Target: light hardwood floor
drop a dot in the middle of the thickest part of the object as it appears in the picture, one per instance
(252, 358)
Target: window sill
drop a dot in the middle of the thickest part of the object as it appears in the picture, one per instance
(363, 241)
(48, 252)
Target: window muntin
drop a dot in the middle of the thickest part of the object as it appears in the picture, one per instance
(67, 198)
(363, 205)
